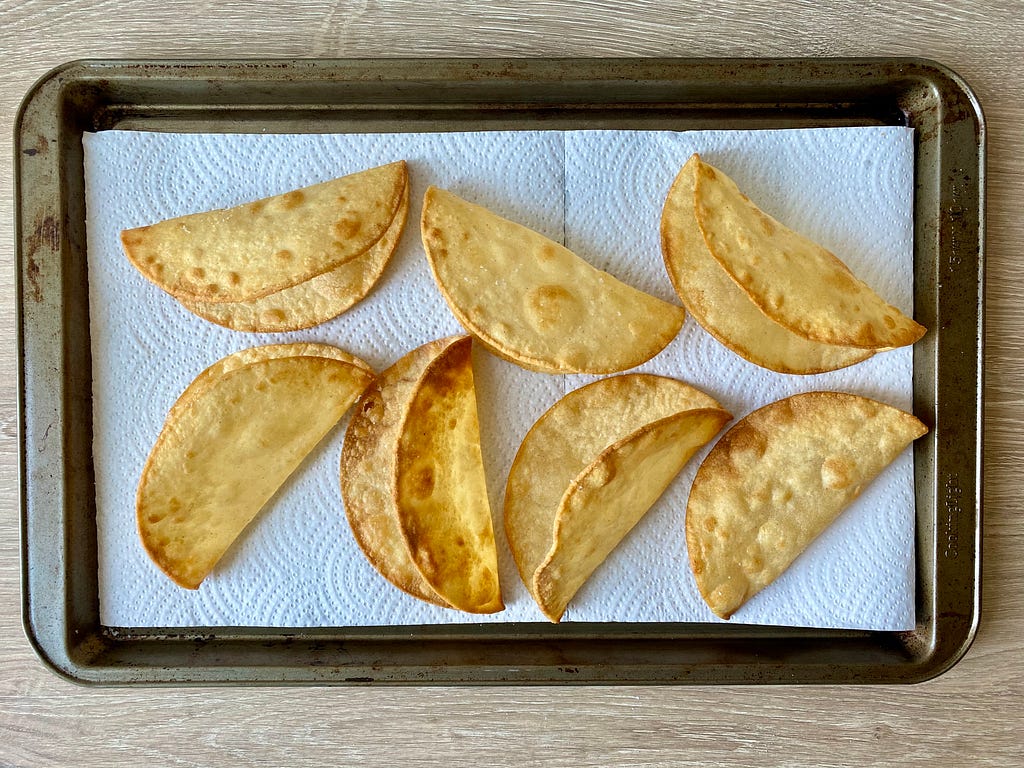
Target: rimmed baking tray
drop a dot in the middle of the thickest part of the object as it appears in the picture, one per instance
(58, 508)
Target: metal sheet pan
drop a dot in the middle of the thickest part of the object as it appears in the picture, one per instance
(60, 594)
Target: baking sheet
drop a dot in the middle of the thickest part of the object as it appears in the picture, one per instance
(345, 96)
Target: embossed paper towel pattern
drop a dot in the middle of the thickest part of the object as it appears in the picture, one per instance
(598, 192)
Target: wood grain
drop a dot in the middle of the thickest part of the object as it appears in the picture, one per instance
(969, 715)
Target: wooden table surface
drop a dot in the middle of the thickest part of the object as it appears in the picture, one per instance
(971, 715)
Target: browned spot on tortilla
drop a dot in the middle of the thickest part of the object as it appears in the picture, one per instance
(293, 199)
(547, 305)
(707, 171)
(836, 473)
(746, 442)
(423, 482)
(132, 237)
(273, 316)
(347, 227)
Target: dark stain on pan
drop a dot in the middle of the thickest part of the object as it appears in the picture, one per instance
(45, 235)
(33, 278)
(40, 148)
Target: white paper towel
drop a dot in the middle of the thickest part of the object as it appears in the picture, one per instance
(599, 192)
